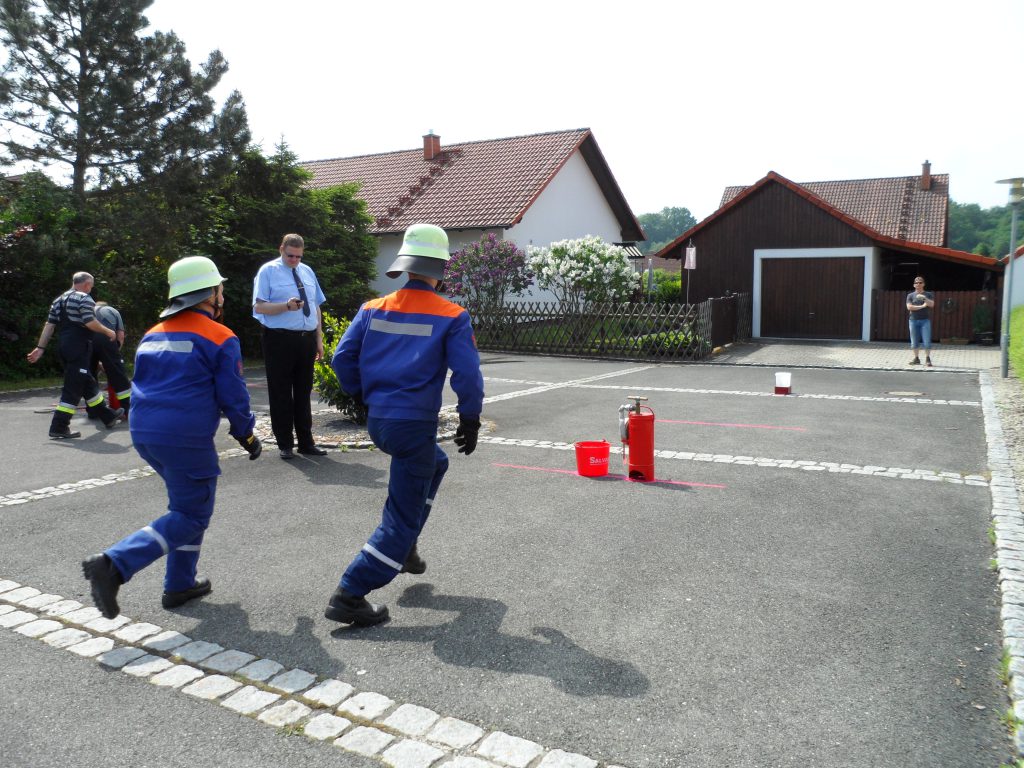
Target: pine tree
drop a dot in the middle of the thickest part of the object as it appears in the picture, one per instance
(84, 87)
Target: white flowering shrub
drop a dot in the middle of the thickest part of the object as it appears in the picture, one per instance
(585, 269)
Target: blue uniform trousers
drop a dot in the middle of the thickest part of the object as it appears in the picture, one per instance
(417, 466)
(190, 475)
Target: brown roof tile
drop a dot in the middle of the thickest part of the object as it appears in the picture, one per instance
(895, 207)
(471, 185)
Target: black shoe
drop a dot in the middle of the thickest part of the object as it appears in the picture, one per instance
(63, 434)
(349, 609)
(287, 454)
(114, 419)
(313, 450)
(174, 599)
(105, 579)
(414, 563)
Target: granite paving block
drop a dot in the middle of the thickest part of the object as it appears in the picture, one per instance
(411, 719)
(197, 650)
(92, 647)
(366, 705)
(509, 750)
(62, 607)
(329, 693)
(5, 608)
(212, 687)
(38, 628)
(293, 681)
(556, 758)
(249, 700)
(40, 601)
(19, 594)
(82, 616)
(260, 670)
(285, 714)
(118, 657)
(106, 626)
(133, 633)
(62, 638)
(228, 661)
(464, 761)
(14, 618)
(325, 726)
(166, 641)
(409, 753)
(365, 741)
(6, 585)
(147, 665)
(176, 676)
(457, 734)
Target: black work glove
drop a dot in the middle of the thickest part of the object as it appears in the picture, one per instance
(252, 444)
(466, 434)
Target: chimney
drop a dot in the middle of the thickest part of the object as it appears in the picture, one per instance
(431, 146)
(926, 175)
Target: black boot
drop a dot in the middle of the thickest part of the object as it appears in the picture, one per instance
(112, 418)
(105, 580)
(174, 599)
(349, 609)
(414, 563)
(60, 427)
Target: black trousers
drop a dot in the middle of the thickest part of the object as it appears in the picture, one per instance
(289, 357)
(107, 352)
(75, 354)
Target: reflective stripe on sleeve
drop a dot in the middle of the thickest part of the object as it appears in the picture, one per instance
(401, 329)
(188, 548)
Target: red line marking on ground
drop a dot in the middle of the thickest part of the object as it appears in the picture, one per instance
(724, 424)
(615, 477)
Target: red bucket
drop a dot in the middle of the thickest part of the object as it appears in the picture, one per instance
(592, 457)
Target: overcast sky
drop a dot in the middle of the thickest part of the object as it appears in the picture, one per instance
(684, 98)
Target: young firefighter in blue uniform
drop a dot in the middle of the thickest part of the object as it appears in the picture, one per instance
(394, 358)
(188, 371)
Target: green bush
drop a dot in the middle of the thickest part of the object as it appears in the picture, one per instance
(324, 379)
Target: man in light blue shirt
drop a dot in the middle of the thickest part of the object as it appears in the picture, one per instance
(286, 299)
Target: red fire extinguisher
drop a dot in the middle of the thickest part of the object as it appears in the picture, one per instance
(636, 430)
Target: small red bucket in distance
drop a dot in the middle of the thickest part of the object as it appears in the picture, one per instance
(592, 457)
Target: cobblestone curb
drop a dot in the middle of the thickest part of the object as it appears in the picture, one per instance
(1008, 527)
(400, 735)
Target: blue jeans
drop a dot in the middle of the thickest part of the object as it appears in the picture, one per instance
(921, 334)
(417, 466)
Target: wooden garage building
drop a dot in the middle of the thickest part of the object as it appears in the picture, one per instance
(835, 259)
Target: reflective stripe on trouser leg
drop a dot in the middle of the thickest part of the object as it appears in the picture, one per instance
(191, 479)
(414, 453)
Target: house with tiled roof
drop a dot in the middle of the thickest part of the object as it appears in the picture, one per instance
(834, 259)
(532, 190)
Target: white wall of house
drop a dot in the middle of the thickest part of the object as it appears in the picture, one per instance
(571, 206)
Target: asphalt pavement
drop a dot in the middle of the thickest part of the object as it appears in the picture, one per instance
(806, 582)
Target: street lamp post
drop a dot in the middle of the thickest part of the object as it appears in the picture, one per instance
(1016, 196)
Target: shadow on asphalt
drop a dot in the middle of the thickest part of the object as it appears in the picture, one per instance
(474, 639)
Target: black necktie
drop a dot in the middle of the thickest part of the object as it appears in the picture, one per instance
(302, 292)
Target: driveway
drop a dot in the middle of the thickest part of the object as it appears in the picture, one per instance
(807, 582)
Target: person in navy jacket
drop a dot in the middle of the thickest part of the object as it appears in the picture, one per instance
(188, 371)
(394, 359)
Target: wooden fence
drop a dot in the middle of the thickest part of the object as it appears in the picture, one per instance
(952, 316)
(626, 331)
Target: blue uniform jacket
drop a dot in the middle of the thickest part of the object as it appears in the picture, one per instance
(188, 370)
(397, 351)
